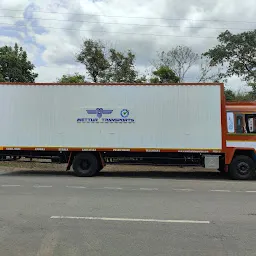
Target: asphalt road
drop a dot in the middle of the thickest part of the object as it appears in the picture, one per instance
(53, 213)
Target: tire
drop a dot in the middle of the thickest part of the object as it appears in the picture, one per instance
(222, 171)
(242, 168)
(99, 169)
(85, 165)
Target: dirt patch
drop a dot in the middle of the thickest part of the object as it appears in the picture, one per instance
(30, 165)
(47, 166)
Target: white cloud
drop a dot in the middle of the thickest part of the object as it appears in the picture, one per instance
(7, 40)
(53, 50)
(54, 72)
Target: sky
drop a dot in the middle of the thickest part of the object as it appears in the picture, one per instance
(52, 31)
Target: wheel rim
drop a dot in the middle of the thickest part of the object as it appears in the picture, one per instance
(85, 165)
(243, 168)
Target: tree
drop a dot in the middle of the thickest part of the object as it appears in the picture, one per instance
(107, 64)
(164, 75)
(121, 67)
(230, 95)
(72, 79)
(252, 93)
(179, 59)
(206, 74)
(241, 95)
(141, 79)
(15, 66)
(92, 55)
(237, 52)
(1, 78)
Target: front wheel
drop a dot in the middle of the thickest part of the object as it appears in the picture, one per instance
(242, 168)
(85, 165)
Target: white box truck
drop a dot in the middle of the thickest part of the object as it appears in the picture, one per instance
(89, 125)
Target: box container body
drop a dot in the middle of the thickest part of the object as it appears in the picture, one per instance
(171, 117)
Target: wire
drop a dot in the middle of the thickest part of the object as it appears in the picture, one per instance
(126, 24)
(102, 31)
(134, 17)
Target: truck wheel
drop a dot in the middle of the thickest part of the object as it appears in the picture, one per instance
(85, 165)
(242, 168)
(99, 169)
(222, 170)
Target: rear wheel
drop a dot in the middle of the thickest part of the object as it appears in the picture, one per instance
(242, 168)
(85, 165)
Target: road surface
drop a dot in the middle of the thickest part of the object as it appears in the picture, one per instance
(53, 213)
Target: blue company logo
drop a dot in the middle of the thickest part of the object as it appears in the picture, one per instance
(100, 113)
(125, 113)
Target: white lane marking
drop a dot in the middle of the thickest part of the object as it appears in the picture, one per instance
(149, 189)
(220, 190)
(75, 187)
(114, 188)
(42, 186)
(250, 191)
(183, 189)
(131, 220)
(10, 185)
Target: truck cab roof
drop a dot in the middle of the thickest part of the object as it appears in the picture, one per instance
(241, 106)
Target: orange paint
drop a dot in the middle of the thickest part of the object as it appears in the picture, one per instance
(229, 155)
(113, 84)
(239, 108)
(224, 128)
(71, 149)
(241, 137)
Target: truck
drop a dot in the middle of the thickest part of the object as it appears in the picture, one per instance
(87, 126)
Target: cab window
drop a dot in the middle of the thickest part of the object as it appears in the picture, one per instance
(240, 123)
(250, 121)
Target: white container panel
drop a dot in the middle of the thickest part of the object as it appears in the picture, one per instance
(172, 117)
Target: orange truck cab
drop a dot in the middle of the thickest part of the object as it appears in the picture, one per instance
(240, 157)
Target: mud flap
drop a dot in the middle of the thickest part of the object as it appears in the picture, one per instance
(70, 161)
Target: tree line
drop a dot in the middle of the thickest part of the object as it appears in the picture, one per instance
(235, 54)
